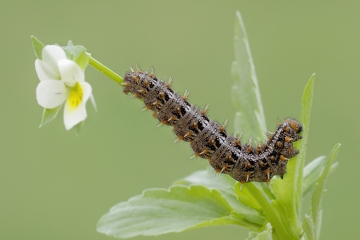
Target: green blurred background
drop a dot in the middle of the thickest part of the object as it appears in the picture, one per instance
(55, 185)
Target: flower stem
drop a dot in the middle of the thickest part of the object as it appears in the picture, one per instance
(105, 70)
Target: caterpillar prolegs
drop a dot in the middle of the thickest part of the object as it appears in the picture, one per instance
(209, 139)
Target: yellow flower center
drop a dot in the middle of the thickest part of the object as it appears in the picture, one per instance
(75, 96)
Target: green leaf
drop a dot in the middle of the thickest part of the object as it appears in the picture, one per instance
(289, 190)
(220, 182)
(160, 211)
(319, 191)
(77, 54)
(266, 234)
(250, 118)
(283, 214)
(305, 121)
(309, 227)
(92, 100)
(49, 114)
(245, 196)
(273, 215)
(37, 46)
(225, 185)
(78, 127)
(312, 172)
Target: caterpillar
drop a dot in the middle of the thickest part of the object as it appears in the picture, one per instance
(209, 139)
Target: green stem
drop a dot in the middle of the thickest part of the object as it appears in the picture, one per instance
(270, 214)
(105, 70)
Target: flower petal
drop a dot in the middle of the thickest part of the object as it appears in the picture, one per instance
(45, 72)
(70, 72)
(51, 93)
(87, 90)
(73, 116)
(51, 54)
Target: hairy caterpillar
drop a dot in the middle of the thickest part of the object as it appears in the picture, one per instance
(208, 139)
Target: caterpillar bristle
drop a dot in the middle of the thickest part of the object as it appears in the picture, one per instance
(222, 128)
(178, 139)
(204, 111)
(168, 84)
(194, 156)
(137, 69)
(160, 124)
(185, 96)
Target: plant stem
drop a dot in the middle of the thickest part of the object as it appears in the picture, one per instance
(105, 70)
(270, 213)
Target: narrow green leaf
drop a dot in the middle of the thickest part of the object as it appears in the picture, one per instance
(319, 191)
(160, 211)
(266, 234)
(78, 127)
(309, 228)
(37, 46)
(318, 223)
(92, 100)
(312, 172)
(49, 115)
(283, 214)
(305, 121)
(288, 189)
(250, 118)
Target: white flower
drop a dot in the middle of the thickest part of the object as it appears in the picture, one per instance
(62, 80)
